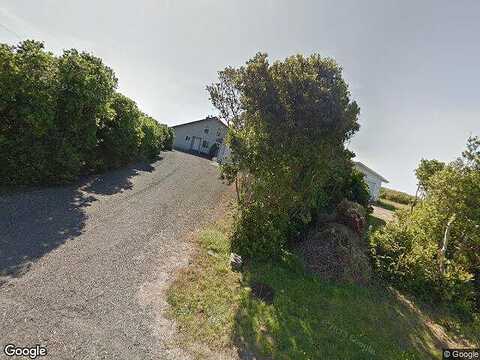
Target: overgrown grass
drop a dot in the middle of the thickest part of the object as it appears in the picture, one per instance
(309, 319)
(391, 205)
(375, 222)
(396, 196)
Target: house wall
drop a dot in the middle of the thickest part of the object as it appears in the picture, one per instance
(223, 154)
(184, 135)
(373, 181)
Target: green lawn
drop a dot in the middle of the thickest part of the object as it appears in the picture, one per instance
(309, 319)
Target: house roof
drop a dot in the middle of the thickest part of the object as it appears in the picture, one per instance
(205, 119)
(365, 167)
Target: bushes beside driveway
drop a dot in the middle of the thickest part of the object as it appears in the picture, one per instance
(62, 117)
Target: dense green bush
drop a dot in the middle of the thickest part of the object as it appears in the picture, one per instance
(170, 136)
(61, 116)
(434, 251)
(396, 196)
(356, 189)
(154, 137)
(288, 122)
(353, 215)
(28, 83)
(119, 133)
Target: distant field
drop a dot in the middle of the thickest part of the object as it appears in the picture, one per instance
(391, 205)
(396, 196)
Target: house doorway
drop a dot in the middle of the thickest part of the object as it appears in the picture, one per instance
(196, 141)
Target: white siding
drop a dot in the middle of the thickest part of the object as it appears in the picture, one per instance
(373, 181)
(374, 185)
(223, 154)
(205, 132)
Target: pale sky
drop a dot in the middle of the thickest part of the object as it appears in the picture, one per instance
(413, 66)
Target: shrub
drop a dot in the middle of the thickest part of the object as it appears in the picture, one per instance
(258, 231)
(410, 263)
(169, 139)
(86, 87)
(353, 215)
(62, 117)
(119, 134)
(152, 136)
(357, 189)
(433, 251)
(28, 83)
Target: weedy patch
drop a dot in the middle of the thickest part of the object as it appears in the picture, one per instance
(307, 318)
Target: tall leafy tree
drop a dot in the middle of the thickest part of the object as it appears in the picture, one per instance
(119, 133)
(60, 116)
(425, 170)
(435, 249)
(28, 81)
(86, 85)
(288, 124)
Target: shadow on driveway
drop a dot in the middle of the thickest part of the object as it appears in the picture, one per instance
(33, 223)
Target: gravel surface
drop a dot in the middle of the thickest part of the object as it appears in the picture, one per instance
(383, 214)
(83, 268)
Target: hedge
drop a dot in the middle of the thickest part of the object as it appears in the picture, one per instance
(62, 117)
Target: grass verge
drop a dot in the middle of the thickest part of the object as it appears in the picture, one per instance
(396, 196)
(309, 319)
(391, 205)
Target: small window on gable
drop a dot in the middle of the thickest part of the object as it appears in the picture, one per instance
(205, 144)
(205, 131)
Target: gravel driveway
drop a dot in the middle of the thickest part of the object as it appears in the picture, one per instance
(83, 268)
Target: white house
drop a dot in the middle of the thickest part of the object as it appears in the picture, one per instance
(373, 179)
(199, 136)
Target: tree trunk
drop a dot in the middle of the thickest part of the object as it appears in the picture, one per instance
(443, 249)
(237, 190)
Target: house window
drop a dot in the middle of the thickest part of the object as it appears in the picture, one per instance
(205, 131)
(219, 133)
(205, 144)
(187, 138)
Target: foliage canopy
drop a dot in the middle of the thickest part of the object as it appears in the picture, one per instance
(61, 116)
(434, 251)
(288, 122)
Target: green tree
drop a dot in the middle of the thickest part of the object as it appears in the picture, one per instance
(434, 250)
(86, 86)
(425, 170)
(356, 189)
(153, 136)
(60, 116)
(471, 156)
(28, 81)
(119, 133)
(288, 122)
